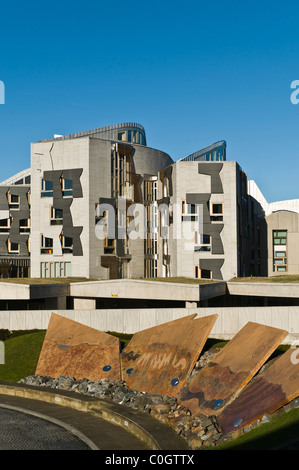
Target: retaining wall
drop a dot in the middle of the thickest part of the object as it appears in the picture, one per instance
(230, 319)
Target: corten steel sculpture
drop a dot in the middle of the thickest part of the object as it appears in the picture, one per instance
(159, 360)
(79, 351)
(223, 378)
(269, 391)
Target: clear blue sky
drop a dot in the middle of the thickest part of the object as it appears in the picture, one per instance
(191, 72)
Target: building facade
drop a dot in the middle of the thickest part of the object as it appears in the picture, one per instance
(101, 204)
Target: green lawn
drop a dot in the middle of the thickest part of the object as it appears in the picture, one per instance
(284, 279)
(21, 356)
(281, 429)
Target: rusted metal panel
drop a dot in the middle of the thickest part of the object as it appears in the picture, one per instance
(159, 360)
(224, 377)
(73, 349)
(269, 391)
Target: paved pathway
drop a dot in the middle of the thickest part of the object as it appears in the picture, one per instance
(22, 427)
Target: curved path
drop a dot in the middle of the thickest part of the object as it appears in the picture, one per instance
(34, 417)
(20, 431)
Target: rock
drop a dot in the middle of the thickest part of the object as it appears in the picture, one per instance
(295, 403)
(266, 418)
(195, 443)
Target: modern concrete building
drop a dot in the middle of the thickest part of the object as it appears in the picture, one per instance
(101, 204)
(279, 243)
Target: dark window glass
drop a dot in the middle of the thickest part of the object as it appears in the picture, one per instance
(48, 242)
(205, 274)
(68, 184)
(48, 186)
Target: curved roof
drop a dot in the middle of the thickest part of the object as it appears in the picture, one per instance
(107, 132)
(199, 153)
(21, 175)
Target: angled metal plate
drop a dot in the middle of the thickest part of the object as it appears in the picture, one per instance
(222, 379)
(159, 360)
(73, 349)
(269, 391)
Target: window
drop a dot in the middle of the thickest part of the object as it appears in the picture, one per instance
(56, 216)
(67, 187)
(109, 246)
(46, 245)
(66, 244)
(280, 251)
(24, 225)
(202, 242)
(216, 211)
(205, 274)
(122, 136)
(55, 269)
(151, 268)
(46, 188)
(279, 237)
(5, 225)
(13, 201)
(13, 247)
(202, 273)
(98, 217)
(189, 211)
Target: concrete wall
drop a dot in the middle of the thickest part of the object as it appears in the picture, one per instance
(192, 182)
(52, 156)
(264, 289)
(229, 322)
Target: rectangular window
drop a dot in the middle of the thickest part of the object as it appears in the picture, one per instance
(121, 136)
(46, 245)
(202, 242)
(13, 201)
(280, 254)
(280, 250)
(67, 187)
(205, 274)
(216, 212)
(56, 216)
(279, 237)
(109, 246)
(25, 226)
(13, 247)
(57, 269)
(46, 188)
(217, 208)
(66, 244)
(5, 225)
(202, 273)
(190, 212)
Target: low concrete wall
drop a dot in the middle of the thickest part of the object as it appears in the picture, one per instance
(229, 322)
(264, 289)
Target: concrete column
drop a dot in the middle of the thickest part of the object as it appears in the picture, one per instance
(84, 304)
(191, 304)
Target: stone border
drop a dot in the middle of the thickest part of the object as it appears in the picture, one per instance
(155, 435)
